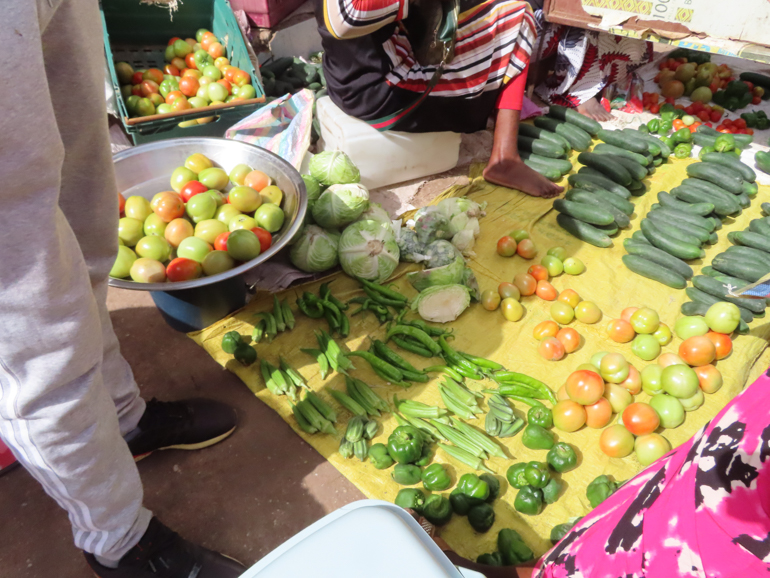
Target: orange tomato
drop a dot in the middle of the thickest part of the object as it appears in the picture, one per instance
(545, 329)
(640, 418)
(598, 414)
(257, 180)
(626, 314)
(538, 272)
(171, 69)
(216, 50)
(154, 74)
(546, 291)
(149, 87)
(230, 72)
(709, 378)
(722, 343)
(568, 415)
(584, 387)
(562, 393)
(633, 383)
(207, 40)
(698, 350)
(181, 104)
(569, 338)
(226, 84)
(526, 248)
(179, 63)
(677, 124)
(616, 441)
(670, 359)
(189, 61)
(570, 297)
(551, 349)
(224, 70)
(526, 283)
(196, 74)
(620, 331)
(173, 95)
(168, 207)
(121, 203)
(177, 231)
(189, 86)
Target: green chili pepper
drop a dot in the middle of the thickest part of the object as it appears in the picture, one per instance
(417, 334)
(653, 125)
(491, 559)
(437, 510)
(456, 360)
(537, 474)
(551, 491)
(314, 311)
(382, 300)
(379, 456)
(537, 438)
(406, 475)
(512, 548)
(451, 372)
(481, 517)
(541, 416)
(494, 486)
(408, 345)
(387, 354)
(529, 501)
(601, 488)
(410, 499)
(392, 373)
(435, 478)
(405, 444)
(516, 477)
(562, 458)
(230, 341)
(389, 293)
(482, 362)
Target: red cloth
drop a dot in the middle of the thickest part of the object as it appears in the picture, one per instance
(512, 95)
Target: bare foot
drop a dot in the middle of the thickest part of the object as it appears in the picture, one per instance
(514, 174)
(593, 108)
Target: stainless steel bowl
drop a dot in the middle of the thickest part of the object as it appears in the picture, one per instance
(146, 170)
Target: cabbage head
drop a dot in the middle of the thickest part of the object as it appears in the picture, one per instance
(375, 212)
(431, 225)
(410, 248)
(447, 275)
(470, 281)
(454, 206)
(440, 253)
(340, 204)
(442, 303)
(315, 249)
(368, 251)
(313, 188)
(333, 168)
(464, 242)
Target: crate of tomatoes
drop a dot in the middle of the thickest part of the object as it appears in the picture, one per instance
(179, 73)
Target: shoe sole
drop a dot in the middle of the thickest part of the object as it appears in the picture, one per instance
(189, 447)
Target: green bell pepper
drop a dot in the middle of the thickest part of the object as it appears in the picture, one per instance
(494, 486)
(667, 108)
(410, 499)
(426, 457)
(230, 341)
(669, 142)
(601, 488)
(512, 548)
(536, 437)
(379, 456)
(724, 143)
(558, 532)
(473, 486)
(683, 150)
(436, 478)
(462, 503)
(405, 444)
(562, 457)
(682, 135)
(736, 88)
(653, 125)
(245, 354)
(719, 98)
(551, 491)
(437, 510)
(705, 150)
(643, 129)
(481, 517)
(540, 415)
(406, 475)
(665, 127)
(537, 474)
(515, 475)
(492, 559)
(763, 123)
(751, 119)
(529, 501)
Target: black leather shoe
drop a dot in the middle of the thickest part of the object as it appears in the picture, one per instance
(190, 424)
(162, 553)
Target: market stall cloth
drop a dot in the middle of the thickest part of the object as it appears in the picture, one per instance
(606, 282)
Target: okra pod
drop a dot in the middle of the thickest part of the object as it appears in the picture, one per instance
(267, 375)
(370, 429)
(346, 449)
(360, 449)
(460, 440)
(259, 331)
(417, 409)
(291, 389)
(288, 316)
(454, 405)
(387, 354)
(490, 446)
(270, 327)
(362, 400)
(400, 420)
(492, 425)
(417, 334)
(311, 415)
(348, 403)
(320, 357)
(522, 398)
(467, 396)
(409, 345)
(355, 428)
(323, 408)
(292, 373)
(334, 349)
(393, 373)
(449, 371)
(278, 314)
(424, 427)
(465, 457)
(511, 429)
(301, 421)
(508, 389)
(369, 394)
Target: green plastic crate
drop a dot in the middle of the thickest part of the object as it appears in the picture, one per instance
(138, 34)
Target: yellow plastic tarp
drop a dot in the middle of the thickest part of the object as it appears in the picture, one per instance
(606, 282)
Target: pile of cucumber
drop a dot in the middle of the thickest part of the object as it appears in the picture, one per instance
(682, 222)
(545, 146)
(288, 75)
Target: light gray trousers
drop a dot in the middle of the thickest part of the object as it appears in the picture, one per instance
(62, 376)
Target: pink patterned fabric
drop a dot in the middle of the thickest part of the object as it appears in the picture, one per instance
(702, 510)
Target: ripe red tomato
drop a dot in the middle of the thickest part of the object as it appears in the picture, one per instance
(149, 87)
(265, 238)
(704, 115)
(189, 61)
(172, 96)
(121, 203)
(739, 123)
(585, 387)
(137, 90)
(526, 248)
(154, 74)
(698, 350)
(506, 246)
(181, 269)
(538, 272)
(174, 39)
(220, 243)
(172, 70)
(640, 418)
(188, 85)
(191, 189)
(722, 343)
(137, 78)
(655, 109)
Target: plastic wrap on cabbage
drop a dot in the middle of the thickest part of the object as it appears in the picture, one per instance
(313, 188)
(440, 253)
(375, 212)
(315, 249)
(333, 168)
(451, 274)
(442, 303)
(464, 241)
(368, 250)
(431, 225)
(470, 281)
(339, 205)
(454, 206)
(410, 248)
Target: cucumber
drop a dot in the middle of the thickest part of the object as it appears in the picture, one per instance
(549, 173)
(614, 200)
(734, 281)
(607, 166)
(729, 161)
(664, 242)
(680, 229)
(532, 131)
(743, 200)
(638, 237)
(722, 206)
(278, 66)
(610, 229)
(728, 265)
(561, 165)
(715, 288)
(578, 139)
(592, 181)
(749, 254)
(668, 200)
(710, 187)
(637, 171)
(709, 270)
(761, 226)
(664, 150)
(608, 149)
(757, 79)
(750, 189)
(721, 176)
(588, 214)
(654, 271)
(651, 170)
(540, 147)
(765, 208)
(584, 231)
(706, 224)
(741, 140)
(713, 239)
(762, 161)
(574, 117)
(637, 188)
(589, 198)
(657, 256)
(751, 239)
(657, 161)
(623, 140)
(692, 308)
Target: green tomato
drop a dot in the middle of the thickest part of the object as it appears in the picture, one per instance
(686, 327)
(650, 448)
(181, 48)
(680, 381)
(226, 213)
(519, 235)
(669, 410)
(238, 173)
(693, 402)
(646, 347)
(243, 245)
(217, 92)
(217, 262)
(246, 92)
(218, 197)
(562, 313)
(212, 72)
(214, 178)
(181, 176)
(122, 266)
(203, 93)
(559, 252)
(202, 60)
(645, 320)
(245, 199)
(242, 222)
(130, 230)
(209, 230)
(663, 334)
(573, 266)
(148, 271)
(199, 33)
(270, 217)
(154, 226)
(197, 102)
(137, 208)
(201, 207)
(164, 108)
(721, 317)
(193, 248)
(156, 248)
(169, 54)
(553, 264)
(652, 379)
(596, 359)
(614, 368)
